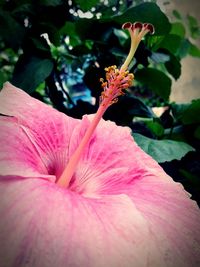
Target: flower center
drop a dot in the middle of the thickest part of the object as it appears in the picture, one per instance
(117, 81)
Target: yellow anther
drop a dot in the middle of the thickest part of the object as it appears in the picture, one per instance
(117, 81)
(104, 84)
(126, 73)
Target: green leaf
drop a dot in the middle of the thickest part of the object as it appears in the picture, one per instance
(159, 57)
(68, 28)
(154, 42)
(155, 80)
(184, 48)
(138, 108)
(191, 114)
(173, 66)
(194, 50)
(29, 76)
(162, 150)
(86, 5)
(24, 9)
(178, 110)
(41, 89)
(40, 44)
(83, 29)
(11, 32)
(118, 52)
(51, 2)
(176, 134)
(171, 42)
(146, 12)
(178, 29)
(193, 26)
(156, 128)
(121, 35)
(89, 44)
(187, 113)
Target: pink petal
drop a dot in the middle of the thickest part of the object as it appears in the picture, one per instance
(45, 133)
(44, 225)
(114, 164)
(18, 155)
(124, 211)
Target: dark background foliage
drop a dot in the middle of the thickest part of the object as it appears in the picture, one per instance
(85, 38)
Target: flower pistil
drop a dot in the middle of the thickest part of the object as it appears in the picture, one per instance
(137, 31)
(117, 81)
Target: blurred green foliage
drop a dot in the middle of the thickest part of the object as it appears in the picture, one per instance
(85, 37)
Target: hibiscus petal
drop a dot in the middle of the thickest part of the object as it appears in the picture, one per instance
(48, 130)
(18, 155)
(171, 216)
(44, 225)
(114, 164)
(155, 224)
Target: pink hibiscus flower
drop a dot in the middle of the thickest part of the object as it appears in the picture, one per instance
(116, 208)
